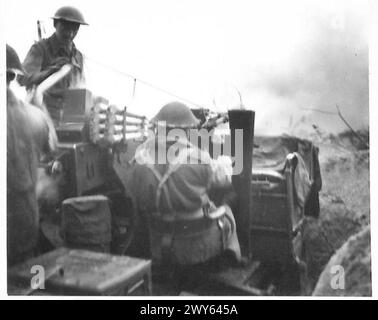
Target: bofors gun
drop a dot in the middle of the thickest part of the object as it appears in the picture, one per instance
(214, 120)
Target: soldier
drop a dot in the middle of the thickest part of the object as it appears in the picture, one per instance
(174, 196)
(48, 55)
(27, 137)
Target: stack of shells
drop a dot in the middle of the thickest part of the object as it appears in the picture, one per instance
(97, 120)
(115, 124)
(107, 124)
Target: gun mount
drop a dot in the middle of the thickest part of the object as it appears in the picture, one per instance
(97, 140)
(91, 133)
(88, 130)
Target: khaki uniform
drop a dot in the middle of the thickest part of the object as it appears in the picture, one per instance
(43, 55)
(174, 200)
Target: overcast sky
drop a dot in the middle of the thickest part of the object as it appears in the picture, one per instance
(283, 56)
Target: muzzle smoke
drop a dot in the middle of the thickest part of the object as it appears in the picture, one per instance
(332, 67)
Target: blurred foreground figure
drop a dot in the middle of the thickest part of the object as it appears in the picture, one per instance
(28, 137)
(170, 182)
(48, 56)
(348, 272)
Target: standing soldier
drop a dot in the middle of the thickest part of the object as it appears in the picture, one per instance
(28, 134)
(48, 55)
(174, 196)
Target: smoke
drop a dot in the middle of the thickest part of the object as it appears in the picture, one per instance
(330, 67)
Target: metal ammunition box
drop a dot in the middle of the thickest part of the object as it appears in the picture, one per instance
(77, 104)
(86, 165)
(73, 124)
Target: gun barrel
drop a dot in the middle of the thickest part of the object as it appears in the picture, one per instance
(215, 121)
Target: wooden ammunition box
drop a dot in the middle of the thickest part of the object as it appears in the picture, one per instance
(81, 272)
(272, 217)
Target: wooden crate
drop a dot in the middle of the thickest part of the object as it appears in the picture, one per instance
(271, 218)
(81, 272)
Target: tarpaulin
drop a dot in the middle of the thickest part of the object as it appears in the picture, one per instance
(270, 154)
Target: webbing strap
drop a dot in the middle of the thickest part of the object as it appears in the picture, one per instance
(183, 155)
(161, 186)
(167, 239)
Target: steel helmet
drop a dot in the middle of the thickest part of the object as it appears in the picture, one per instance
(13, 61)
(69, 14)
(177, 115)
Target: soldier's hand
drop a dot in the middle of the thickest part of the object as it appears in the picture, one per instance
(58, 64)
(56, 168)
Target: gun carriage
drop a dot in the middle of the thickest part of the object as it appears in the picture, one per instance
(97, 141)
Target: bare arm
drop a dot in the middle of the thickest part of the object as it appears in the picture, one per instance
(33, 66)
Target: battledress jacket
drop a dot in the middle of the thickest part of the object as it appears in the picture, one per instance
(42, 55)
(176, 191)
(27, 135)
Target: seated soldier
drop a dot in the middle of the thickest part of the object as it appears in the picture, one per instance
(170, 183)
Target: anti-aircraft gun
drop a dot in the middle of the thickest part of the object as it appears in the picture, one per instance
(98, 140)
(91, 134)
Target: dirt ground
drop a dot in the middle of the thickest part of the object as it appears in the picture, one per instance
(344, 211)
